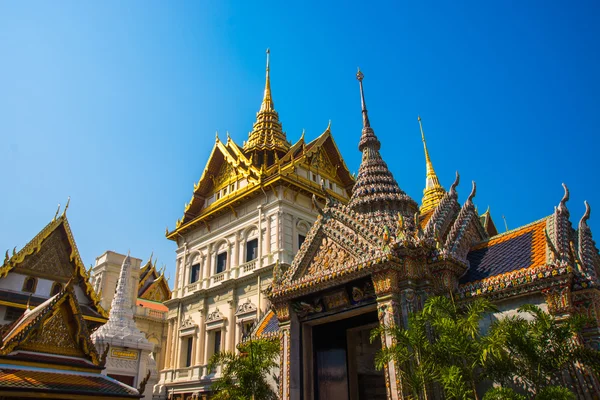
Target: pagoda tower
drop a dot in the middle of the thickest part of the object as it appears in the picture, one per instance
(129, 357)
(376, 193)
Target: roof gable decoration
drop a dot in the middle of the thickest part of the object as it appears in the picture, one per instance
(466, 231)
(444, 214)
(55, 326)
(35, 245)
(587, 251)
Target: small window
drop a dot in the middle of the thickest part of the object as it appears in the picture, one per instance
(225, 191)
(217, 348)
(314, 177)
(330, 185)
(56, 288)
(232, 187)
(221, 263)
(12, 313)
(251, 250)
(188, 355)
(301, 239)
(29, 284)
(195, 273)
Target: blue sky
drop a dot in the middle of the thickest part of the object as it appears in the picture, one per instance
(116, 104)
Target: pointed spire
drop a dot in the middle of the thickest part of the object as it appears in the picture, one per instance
(267, 103)
(121, 329)
(433, 192)
(267, 133)
(376, 193)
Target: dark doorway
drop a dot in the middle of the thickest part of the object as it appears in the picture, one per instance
(343, 360)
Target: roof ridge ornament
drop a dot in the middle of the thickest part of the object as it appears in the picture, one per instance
(433, 192)
(376, 193)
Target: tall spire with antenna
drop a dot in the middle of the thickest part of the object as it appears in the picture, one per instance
(433, 192)
(267, 133)
(267, 103)
(376, 193)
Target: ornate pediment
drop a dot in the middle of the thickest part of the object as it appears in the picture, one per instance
(214, 316)
(337, 244)
(55, 326)
(245, 308)
(51, 261)
(55, 337)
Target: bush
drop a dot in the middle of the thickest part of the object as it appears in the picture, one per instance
(555, 393)
(502, 393)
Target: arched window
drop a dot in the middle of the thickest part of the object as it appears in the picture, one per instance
(56, 288)
(29, 284)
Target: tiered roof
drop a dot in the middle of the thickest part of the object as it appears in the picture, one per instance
(152, 284)
(48, 351)
(52, 253)
(265, 161)
(376, 193)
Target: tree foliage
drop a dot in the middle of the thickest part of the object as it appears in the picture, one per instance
(537, 350)
(443, 345)
(244, 375)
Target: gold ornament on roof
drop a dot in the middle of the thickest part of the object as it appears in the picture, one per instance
(433, 192)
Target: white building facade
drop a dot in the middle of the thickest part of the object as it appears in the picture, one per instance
(248, 216)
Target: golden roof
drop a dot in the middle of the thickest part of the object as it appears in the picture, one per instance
(79, 273)
(267, 132)
(227, 165)
(433, 192)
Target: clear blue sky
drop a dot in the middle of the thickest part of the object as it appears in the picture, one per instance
(116, 103)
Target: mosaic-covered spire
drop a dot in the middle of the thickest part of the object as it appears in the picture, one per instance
(267, 133)
(433, 192)
(376, 193)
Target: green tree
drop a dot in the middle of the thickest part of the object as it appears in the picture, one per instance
(443, 343)
(244, 375)
(537, 350)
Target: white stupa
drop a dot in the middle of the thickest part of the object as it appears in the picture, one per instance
(129, 358)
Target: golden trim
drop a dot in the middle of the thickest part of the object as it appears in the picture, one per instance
(37, 364)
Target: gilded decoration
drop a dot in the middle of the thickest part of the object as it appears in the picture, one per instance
(329, 256)
(55, 337)
(386, 282)
(558, 299)
(57, 226)
(51, 261)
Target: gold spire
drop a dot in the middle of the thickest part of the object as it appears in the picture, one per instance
(267, 133)
(433, 192)
(267, 103)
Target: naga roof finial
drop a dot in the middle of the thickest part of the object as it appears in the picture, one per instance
(473, 192)
(66, 206)
(586, 215)
(562, 206)
(455, 184)
(56, 213)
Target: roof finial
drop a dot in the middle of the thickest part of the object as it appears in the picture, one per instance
(433, 193)
(360, 76)
(267, 103)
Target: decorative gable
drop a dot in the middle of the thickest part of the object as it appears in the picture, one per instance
(51, 261)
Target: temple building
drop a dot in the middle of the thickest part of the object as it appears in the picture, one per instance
(129, 356)
(48, 309)
(41, 269)
(149, 289)
(250, 211)
(377, 258)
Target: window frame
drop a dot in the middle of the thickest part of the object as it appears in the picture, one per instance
(28, 279)
(224, 263)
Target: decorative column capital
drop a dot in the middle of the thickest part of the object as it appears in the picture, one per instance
(282, 310)
(386, 282)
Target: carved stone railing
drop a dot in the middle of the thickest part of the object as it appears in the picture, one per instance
(249, 266)
(219, 277)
